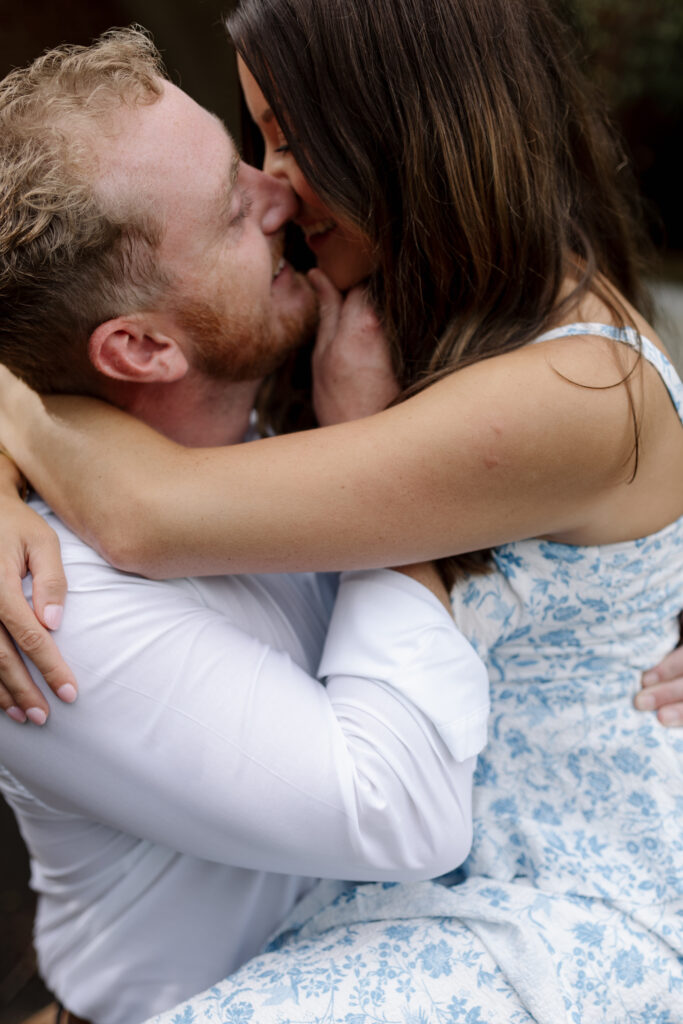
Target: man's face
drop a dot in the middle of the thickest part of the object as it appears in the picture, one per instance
(239, 304)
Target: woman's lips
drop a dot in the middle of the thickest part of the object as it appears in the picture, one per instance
(317, 234)
(283, 272)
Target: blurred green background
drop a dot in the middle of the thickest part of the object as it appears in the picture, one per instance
(635, 51)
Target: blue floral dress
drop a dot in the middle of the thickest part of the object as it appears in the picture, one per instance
(570, 905)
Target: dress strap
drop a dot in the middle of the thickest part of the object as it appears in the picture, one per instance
(628, 336)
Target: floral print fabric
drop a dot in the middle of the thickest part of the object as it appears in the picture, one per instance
(570, 905)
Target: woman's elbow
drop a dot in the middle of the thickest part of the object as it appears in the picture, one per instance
(123, 535)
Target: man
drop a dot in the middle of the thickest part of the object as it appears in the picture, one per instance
(179, 809)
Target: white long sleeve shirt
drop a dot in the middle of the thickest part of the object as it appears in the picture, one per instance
(205, 776)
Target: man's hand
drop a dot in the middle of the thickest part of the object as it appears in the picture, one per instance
(29, 545)
(663, 689)
(352, 374)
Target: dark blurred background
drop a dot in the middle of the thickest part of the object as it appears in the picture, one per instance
(635, 51)
(189, 33)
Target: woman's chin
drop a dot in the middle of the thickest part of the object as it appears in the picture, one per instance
(345, 273)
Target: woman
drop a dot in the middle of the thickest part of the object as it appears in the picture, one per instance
(385, 203)
(455, 149)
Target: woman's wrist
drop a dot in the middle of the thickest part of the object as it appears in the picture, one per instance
(19, 407)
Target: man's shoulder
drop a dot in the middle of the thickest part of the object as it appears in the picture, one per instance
(287, 611)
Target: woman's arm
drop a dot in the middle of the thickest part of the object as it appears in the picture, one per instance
(505, 449)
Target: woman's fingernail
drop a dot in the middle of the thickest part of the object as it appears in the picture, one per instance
(67, 693)
(53, 615)
(36, 715)
(17, 714)
(670, 716)
(650, 678)
(645, 701)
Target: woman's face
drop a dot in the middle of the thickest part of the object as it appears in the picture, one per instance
(341, 251)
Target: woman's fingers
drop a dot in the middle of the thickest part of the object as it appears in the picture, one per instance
(49, 581)
(30, 545)
(663, 689)
(329, 308)
(352, 371)
(18, 688)
(20, 698)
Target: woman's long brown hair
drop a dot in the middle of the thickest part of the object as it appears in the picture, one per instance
(463, 139)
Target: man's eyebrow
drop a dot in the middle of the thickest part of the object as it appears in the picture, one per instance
(225, 203)
(234, 170)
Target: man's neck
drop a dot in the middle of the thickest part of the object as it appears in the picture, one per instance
(196, 412)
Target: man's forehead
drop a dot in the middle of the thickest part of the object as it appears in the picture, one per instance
(171, 146)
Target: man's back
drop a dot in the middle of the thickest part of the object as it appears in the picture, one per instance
(104, 888)
(176, 812)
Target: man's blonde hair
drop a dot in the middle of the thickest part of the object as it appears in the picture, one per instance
(69, 259)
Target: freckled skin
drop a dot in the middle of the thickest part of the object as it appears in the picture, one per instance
(491, 460)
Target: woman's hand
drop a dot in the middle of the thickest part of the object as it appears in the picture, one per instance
(352, 373)
(663, 689)
(29, 545)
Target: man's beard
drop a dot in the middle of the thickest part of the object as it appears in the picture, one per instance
(239, 348)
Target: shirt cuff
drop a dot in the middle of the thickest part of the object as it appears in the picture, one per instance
(386, 626)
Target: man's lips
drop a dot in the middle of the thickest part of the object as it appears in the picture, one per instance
(279, 267)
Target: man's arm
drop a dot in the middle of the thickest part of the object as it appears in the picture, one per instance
(194, 734)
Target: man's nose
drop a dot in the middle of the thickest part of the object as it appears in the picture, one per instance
(275, 202)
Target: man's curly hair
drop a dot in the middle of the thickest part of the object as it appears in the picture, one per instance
(70, 258)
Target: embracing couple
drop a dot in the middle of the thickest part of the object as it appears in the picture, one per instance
(238, 737)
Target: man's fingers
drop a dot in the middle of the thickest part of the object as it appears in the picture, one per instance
(35, 641)
(666, 698)
(663, 689)
(669, 668)
(670, 715)
(49, 581)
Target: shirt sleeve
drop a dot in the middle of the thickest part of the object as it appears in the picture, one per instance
(429, 661)
(194, 734)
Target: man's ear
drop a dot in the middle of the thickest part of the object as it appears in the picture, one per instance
(133, 349)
